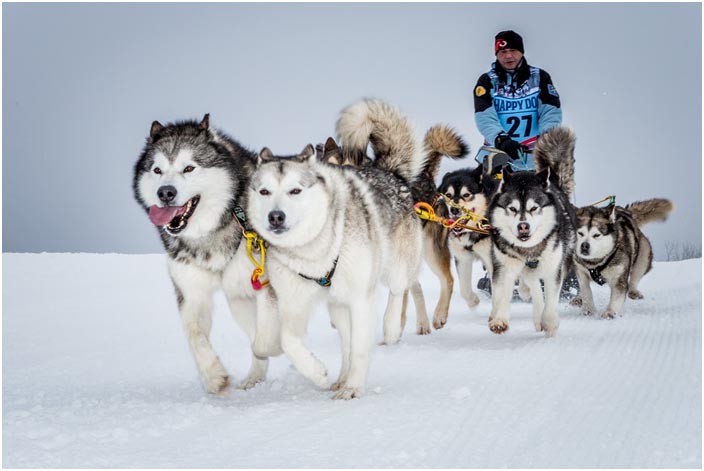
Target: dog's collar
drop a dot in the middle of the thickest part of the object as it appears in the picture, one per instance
(595, 272)
(325, 281)
(241, 216)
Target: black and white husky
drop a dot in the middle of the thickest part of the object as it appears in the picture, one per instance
(335, 233)
(612, 249)
(534, 232)
(192, 180)
(471, 190)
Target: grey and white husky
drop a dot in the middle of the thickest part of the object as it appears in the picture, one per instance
(192, 180)
(335, 233)
(534, 232)
(612, 249)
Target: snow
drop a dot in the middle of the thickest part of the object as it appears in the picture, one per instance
(97, 373)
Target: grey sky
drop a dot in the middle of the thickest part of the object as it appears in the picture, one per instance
(83, 82)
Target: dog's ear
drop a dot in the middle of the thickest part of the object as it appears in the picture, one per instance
(306, 154)
(330, 145)
(612, 214)
(205, 123)
(265, 155)
(156, 129)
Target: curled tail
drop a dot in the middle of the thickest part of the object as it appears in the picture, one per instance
(391, 135)
(656, 209)
(555, 150)
(441, 140)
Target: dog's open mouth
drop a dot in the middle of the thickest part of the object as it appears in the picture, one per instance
(173, 218)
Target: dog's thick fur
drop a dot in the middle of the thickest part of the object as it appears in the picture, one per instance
(190, 179)
(534, 232)
(612, 249)
(359, 221)
(440, 140)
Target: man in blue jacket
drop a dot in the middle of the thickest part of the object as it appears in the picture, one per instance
(514, 102)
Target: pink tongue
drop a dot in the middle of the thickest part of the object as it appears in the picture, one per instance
(162, 216)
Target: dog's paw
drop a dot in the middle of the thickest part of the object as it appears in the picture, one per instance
(635, 294)
(439, 322)
(217, 384)
(249, 383)
(423, 329)
(337, 385)
(498, 326)
(576, 301)
(550, 328)
(473, 300)
(346, 393)
(588, 310)
(608, 314)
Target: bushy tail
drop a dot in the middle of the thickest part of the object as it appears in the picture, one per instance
(656, 209)
(441, 140)
(391, 135)
(555, 150)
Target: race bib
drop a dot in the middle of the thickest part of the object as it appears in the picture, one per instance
(519, 116)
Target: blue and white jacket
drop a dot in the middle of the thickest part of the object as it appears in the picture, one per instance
(524, 104)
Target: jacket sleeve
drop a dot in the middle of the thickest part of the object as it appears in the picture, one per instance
(484, 112)
(549, 110)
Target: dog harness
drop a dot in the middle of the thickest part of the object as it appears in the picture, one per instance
(254, 243)
(325, 281)
(595, 272)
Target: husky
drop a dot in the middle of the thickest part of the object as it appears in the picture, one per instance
(534, 235)
(440, 140)
(611, 248)
(335, 233)
(192, 180)
(470, 190)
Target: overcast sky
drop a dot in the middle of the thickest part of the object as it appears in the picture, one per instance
(83, 82)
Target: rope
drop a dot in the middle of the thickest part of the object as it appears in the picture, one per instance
(611, 199)
(252, 239)
(426, 211)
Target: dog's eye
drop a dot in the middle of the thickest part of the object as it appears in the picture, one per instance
(512, 209)
(448, 195)
(189, 169)
(533, 209)
(157, 170)
(597, 235)
(580, 233)
(468, 196)
(295, 191)
(264, 192)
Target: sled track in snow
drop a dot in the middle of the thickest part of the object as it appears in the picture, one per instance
(93, 377)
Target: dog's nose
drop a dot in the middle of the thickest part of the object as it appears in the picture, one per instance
(584, 248)
(277, 218)
(455, 211)
(523, 227)
(166, 193)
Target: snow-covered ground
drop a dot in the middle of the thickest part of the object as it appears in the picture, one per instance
(97, 373)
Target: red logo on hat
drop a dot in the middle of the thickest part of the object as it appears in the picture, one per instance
(500, 43)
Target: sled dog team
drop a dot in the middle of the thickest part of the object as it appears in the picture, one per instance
(280, 233)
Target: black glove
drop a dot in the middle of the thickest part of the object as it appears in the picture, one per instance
(504, 143)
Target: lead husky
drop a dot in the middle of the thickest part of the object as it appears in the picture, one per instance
(335, 233)
(191, 179)
(534, 232)
(612, 249)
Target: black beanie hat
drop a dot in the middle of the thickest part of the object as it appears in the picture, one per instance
(508, 40)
